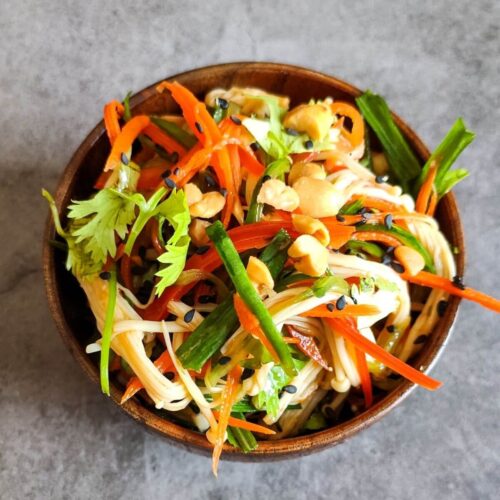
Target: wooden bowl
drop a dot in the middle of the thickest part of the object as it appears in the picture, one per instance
(67, 301)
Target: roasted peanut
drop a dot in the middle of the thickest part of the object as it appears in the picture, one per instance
(259, 274)
(277, 194)
(193, 193)
(310, 256)
(313, 119)
(211, 204)
(305, 224)
(198, 232)
(318, 198)
(298, 170)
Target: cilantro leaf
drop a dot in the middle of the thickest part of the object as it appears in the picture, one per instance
(105, 214)
(268, 398)
(174, 258)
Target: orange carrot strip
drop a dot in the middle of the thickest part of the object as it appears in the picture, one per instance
(163, 363)
(357, 134)
(432, 203)
(379, 204)
(379, 237)
(149, 178)
(251, 324)
(113, 110)
(126, 271)
(346, 329)
(349, 310)
(364, 375)
(228, 396)
(424, 278)
(426, 190)
(339, 234)
(125, 139)
(165, 141)
(244, 424)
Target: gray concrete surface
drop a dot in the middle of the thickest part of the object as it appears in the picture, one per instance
(61, 60)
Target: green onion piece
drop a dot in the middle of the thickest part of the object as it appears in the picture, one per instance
(367, 247)
(352, 208)
(244, 287)
(173, 130)
(455, 141)
(403, 162)
(126, 107)
(107, 332)
(275, 254)
(209, 336)
(404, 237)
(241, 438)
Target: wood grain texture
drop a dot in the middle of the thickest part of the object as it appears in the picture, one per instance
(68, 304)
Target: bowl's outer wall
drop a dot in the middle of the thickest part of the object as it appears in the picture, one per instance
(67, 301)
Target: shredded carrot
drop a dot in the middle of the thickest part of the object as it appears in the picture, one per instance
(112, 113)
(364, 375)
(425, 192)
(424, 278)
(228, 396)
(244, 424)
(377, 236)
(149, 178)
(163, 363)
(432, 203)
(155, 239)
(339, 234)
(357, 134)
(347, 329)
(349, 310)
(115, 365)
(291, 340)
(125, 139)
(126, 271)
(378, 203)
(165, 141)
(250, 323)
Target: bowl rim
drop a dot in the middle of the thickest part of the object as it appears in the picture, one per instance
(178, 435)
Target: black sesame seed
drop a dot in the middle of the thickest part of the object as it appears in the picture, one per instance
(222, 103)
(420, 339)
(170, 183)
(340, 218)
(387, 260)
(177, 171)
(166, 174)
(388, 221)
(170, 375)
(223, 192)
(224, 360)
(292, 131)
(354, 300)
(381, 179)
(397, 267)
(124, 159)
(201, 250)
(441, 307)
(188, 317)
(391, 328)
(341, 303)
(247, 373)
(199, 128)
(458, 281)
(291, 389)
(266, 178)
(235, 120)
(363, 211)
(254, 146)
(390, 250)
(210, 181)
(105, 275)
(308, 144)
(330, 307)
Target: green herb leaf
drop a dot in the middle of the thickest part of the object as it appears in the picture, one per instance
(105, 214)
(268, 398)
(315, 422)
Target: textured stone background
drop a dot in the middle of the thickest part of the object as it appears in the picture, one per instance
(61, 60)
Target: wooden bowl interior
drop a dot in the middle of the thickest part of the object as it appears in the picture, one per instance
(67, 301)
